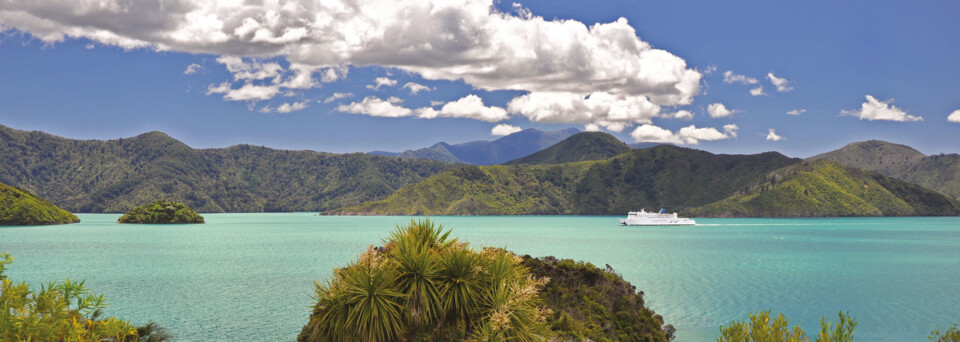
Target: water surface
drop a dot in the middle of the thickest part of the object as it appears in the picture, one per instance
(249, 276)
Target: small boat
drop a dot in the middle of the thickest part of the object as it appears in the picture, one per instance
(661, 218)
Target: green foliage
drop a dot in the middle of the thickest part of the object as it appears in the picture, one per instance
(937, 172)
(762, 329)
(590, 304)
(60, 311)
(161, 212)
(951, 334)
(19, 207)
(826, 188)
(654, 177)
(579, 147)
(424, 286)
(115, 175)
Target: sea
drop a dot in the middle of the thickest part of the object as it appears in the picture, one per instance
(250, 277)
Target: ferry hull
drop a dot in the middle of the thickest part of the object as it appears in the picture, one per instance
(658, 222)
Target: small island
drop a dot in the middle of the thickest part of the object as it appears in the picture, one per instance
(161, 212)
(18, 207)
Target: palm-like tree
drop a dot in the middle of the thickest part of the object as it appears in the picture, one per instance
(423, 285)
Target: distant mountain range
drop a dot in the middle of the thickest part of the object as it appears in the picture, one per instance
(484, 152)
(116, 175)
(556, 181)
(585, 174)
(937, 172)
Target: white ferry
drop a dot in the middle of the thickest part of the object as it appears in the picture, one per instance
(662, 218)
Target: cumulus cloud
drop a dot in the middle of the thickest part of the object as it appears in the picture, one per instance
(292, 107)
(730, 77)
(192, 69)
(797, 111)
(247, 92)
(781, 83)
(954, 117)
(772, 135)
(467, 40)
(337, 96)
(718, 110)
(416, 87)
(470, 106)
(375, 106)
(680, 114)
(875, 109)
(591, 128)
(380, 82)
(690, 135)
(615, 112)
(758, 91)
(731, 129)
(504, 129)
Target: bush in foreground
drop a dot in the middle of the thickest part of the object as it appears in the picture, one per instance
(423, 285)
(62, 311)
(762, 329)
(161, 212)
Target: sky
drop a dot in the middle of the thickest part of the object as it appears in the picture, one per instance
(739, 77)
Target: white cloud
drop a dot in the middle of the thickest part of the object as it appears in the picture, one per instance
(380, 82)
(292, 107)
(416, 87)
(504, 129)
(374, 106)
(772, 135)
(690, 135)
(591, 128)
(758, 91)
(192, 69)
(615, 112)
(954, 117)
(337, 96)
(781, 83)
(467, 40)
(731, 129)
(797, 111)
(680, 114)
(730, 77)
(302, 77)
(712, 68)
(718, 110)
(436, 103)
(252, 70)
(470, 106)
(875, 109)
(248, 92)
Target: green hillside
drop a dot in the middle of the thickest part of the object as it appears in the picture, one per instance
(579, 147)
(825, 188)
(937, 172)
(115, 175)
(659, 176)
(19, 207)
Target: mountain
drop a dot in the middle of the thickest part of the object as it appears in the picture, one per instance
(19, 207)
(578, 147)
(937, 172)
(116, 175)
(484, 152)
(826, 188)
(654, 177)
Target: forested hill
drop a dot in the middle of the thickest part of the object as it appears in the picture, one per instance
(825, 188)
(20, 208)
(654, 177)
(116, 175)
(937, 172)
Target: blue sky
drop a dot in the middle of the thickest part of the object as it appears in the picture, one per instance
(262, 72)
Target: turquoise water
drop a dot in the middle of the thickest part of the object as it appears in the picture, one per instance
(249, 276)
